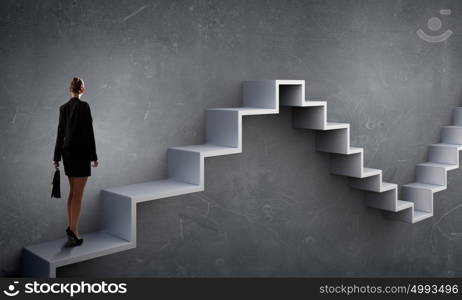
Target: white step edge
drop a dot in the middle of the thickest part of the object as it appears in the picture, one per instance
(247, 110)
(208, 149)
(433, 187)
(459, 147)
(420, 215)
(367, 172)
(95, 244)
(448, 167)
(152, 190)
(387, 186)
(335, 125)
(402, 205)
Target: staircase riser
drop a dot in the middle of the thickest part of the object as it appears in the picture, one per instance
(431, 175)
(347, 165)
(445, 155)
(185, 166)
(312, 118)
(451, 135)
(118, 216)
(422, 198)
(457, 116)
(34, 266)
(404, 216)
(372, 183)
(223, 128)
(292, 95)
(260, 94)
(333, 141)
(386, 201)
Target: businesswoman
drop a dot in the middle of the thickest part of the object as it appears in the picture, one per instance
(75, 143)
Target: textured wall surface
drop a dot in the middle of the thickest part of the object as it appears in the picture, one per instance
(152, 67)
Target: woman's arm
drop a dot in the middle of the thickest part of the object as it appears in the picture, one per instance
(59, 138)
(93, 156)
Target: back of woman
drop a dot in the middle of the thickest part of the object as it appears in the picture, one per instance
(75, 144)
(78, 129)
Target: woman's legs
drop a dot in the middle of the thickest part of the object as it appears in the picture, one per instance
(76, 202)
(69, 200)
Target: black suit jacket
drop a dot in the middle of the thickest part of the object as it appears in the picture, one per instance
(75, 131)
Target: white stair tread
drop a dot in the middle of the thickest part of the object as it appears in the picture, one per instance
(308, 103)
(248, 110)
(404, 205)
(420, 215)
(152, 190)
(447, 145)
(453, 126)
(446, 166)
(352, 150)
(371, 172)
(386, 186)
(94, 244)
(289, 81)
(427, 186)
(208, 149)
(335, 125)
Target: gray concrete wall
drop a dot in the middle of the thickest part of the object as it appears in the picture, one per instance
(152, 67)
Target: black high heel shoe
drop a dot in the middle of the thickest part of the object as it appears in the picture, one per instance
(74, 239)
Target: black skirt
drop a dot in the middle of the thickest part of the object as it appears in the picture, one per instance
(76, 165)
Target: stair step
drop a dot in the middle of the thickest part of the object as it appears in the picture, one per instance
(446, 166)
(420, 215)
(248, 110)
(209, 149)
(459, 147)
(371, 186)
(95, 244)
(433, 187)
(457, 116)
(451, 135)
(367, 172)
(308, 103)
(386, 186)
(402, 205)
(151, 190)
(334, 125)
(353, 150)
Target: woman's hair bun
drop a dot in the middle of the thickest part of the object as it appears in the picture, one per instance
(76, 85)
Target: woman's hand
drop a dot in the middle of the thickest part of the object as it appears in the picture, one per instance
(56, 164)
(95, 164)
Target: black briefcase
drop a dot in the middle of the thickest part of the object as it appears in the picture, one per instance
(56, 185)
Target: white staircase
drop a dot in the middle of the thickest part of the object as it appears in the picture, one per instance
(223, 137)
